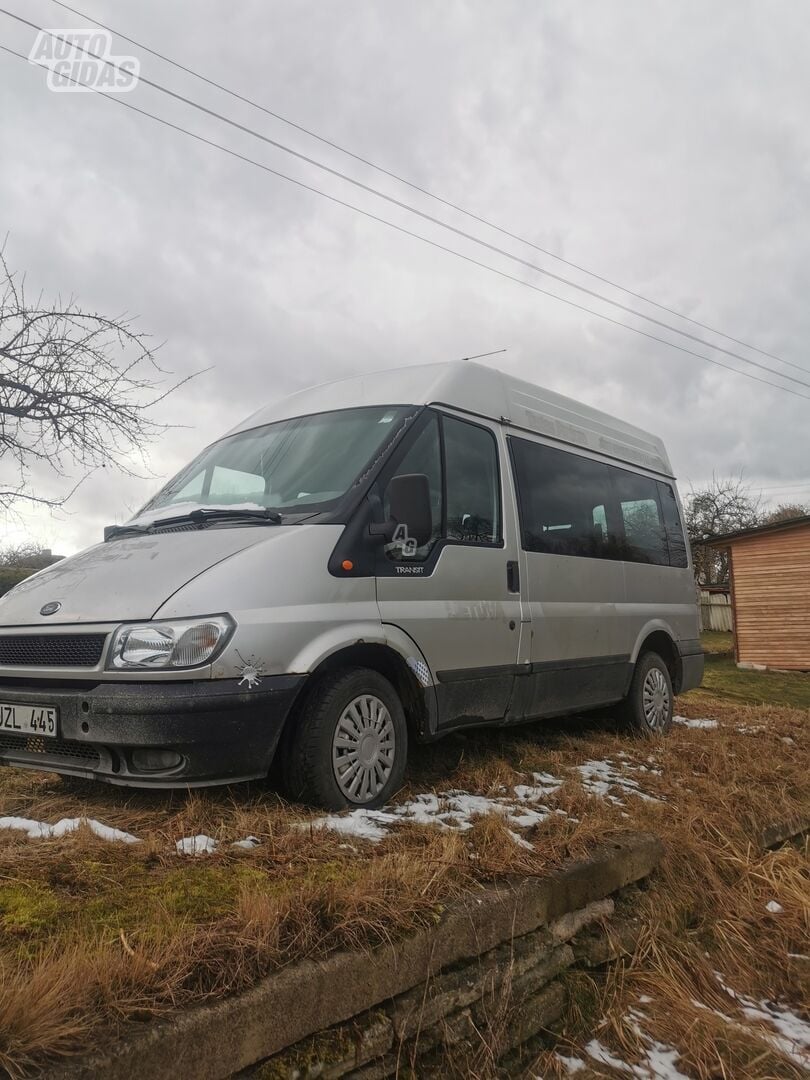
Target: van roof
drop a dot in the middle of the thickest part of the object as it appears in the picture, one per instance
(482, 391)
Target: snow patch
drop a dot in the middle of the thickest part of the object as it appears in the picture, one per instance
(41, 830)
(249, 843)
(543, 785)
(196, 845)
(572, 1064)
(450, 810)
(658, 1062)
(360, 823)
(792, 1032)
(521, 841)
(706, 725)
(600, 777)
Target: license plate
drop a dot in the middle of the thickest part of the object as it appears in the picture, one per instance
(28, 719)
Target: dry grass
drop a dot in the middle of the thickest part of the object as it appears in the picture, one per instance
(95, 935)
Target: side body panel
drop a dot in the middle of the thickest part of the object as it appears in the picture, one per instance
(577, 654)
(591, 615)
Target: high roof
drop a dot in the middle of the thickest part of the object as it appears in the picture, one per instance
(483, 391)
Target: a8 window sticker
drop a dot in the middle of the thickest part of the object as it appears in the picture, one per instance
(405, 543)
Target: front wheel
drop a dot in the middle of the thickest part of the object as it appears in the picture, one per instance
(647, 709)
(348, 745)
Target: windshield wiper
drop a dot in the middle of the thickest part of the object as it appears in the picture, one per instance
(202, 517)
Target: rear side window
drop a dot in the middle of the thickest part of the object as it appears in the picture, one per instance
(562, 501)
(573, 505)
(473, 489)
(645, 538)
(678, 553)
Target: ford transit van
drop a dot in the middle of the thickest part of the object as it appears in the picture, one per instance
(363, 565)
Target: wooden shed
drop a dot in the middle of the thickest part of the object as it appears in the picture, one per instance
(769, 572)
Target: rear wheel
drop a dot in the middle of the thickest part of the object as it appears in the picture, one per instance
(647, 709)
(348, 745)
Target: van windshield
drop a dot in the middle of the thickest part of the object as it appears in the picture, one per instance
(304, 464)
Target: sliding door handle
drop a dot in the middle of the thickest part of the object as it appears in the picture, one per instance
(513, 576)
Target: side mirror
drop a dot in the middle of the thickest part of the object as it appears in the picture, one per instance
(409, 502)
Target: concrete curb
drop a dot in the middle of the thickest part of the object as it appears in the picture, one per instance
(780, 832)
(212, 1042)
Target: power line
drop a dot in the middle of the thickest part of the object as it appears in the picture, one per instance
(424, 191)
(783, 487)
(414, 210)
(416, 236)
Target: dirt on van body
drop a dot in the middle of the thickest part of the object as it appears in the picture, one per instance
(100, 930)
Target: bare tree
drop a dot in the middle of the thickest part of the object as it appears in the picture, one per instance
(784, 512)
(19, 561)
(30, 554)
(76, 389)
(726, 505)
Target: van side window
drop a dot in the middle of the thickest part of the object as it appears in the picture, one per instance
(423, 456)
(573, 505)
(562, 501)
(473, 488)
(678, 554)
(645, 538)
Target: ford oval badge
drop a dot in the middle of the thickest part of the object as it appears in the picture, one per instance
(51, 608)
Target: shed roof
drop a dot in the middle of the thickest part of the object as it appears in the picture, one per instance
(482, 391)
(757, 530)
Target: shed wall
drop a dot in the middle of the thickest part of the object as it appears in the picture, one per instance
(771, 592)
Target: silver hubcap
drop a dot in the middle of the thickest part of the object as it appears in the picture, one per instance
(655, 699)
(363, 748)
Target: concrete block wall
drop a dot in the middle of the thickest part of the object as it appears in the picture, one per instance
(491, 966)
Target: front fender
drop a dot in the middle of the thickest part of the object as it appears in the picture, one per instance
(337, 638)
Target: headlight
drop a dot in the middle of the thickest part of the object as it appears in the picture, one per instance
(175, 643)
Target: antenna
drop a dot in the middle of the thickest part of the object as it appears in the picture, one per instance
(479, 355)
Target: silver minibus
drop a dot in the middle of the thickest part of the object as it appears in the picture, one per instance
(360, 566)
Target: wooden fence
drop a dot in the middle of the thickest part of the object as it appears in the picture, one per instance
(715, 611)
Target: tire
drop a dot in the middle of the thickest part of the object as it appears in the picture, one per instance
(647, 709)
(348, 744)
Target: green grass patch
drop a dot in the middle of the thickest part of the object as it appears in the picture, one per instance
(27, 907)
(722, 678)
(84, 895)
(717, 642)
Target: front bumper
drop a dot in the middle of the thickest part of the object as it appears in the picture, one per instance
(224, 732)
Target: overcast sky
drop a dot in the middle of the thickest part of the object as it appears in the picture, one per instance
(665, 146)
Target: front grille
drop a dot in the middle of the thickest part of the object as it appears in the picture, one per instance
(52, 749)
(51, 650)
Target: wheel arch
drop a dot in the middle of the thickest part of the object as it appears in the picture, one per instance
(658, 638)
(396, 657)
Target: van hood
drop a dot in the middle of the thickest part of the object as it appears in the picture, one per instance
(125, 579)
